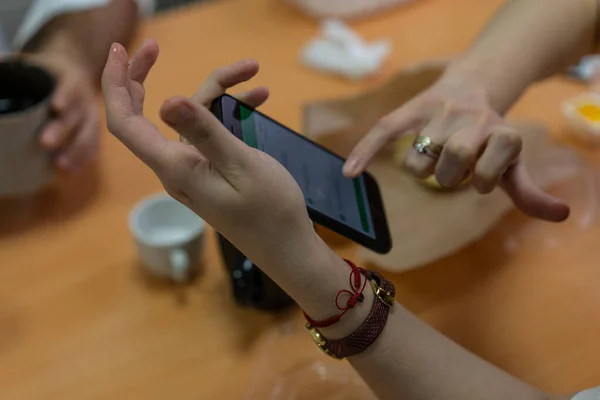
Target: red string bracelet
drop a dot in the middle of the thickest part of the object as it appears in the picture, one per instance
(358, 282)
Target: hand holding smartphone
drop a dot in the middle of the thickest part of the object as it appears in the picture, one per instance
(350, 207)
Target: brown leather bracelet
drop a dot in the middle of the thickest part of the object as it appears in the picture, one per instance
(363, 337)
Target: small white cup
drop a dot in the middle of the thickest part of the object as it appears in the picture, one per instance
(168, 237)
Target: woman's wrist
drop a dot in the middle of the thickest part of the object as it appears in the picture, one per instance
(313, 274)
(306, 268)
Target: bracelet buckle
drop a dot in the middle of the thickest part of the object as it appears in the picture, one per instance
(383, 295)
(320, 341)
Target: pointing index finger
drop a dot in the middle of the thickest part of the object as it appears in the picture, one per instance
(388, 129)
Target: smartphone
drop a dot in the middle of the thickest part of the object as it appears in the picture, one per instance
(352, 208)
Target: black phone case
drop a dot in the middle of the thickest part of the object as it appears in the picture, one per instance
(382, 243)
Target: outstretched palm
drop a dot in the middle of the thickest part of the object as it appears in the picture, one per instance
(242, 192)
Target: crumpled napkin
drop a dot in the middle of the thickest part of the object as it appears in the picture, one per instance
(340, 50)
(587, 69)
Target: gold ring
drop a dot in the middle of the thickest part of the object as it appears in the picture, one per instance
(424, 145)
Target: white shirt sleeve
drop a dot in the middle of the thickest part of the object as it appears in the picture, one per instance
(592, 394)
(42, 11)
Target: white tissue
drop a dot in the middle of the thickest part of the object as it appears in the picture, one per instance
(341, 51)
(587, 69)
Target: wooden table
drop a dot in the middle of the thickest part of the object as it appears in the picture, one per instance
(77, 320)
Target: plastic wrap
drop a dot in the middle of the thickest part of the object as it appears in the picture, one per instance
(313, 375)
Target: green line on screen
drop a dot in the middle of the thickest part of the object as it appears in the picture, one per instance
(362, 211)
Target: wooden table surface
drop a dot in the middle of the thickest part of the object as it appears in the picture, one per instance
(78, 320)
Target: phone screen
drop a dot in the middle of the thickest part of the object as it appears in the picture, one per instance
(317, 171)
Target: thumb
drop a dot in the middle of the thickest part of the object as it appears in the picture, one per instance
(203, 130)
(530, 199)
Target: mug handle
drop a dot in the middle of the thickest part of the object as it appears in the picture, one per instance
(180, 265)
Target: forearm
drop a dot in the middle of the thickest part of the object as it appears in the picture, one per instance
(86, 36)
(420, 363)
(409, 358)
(528, 40)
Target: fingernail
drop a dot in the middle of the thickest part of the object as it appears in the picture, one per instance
(351, 165)
(178, 114)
